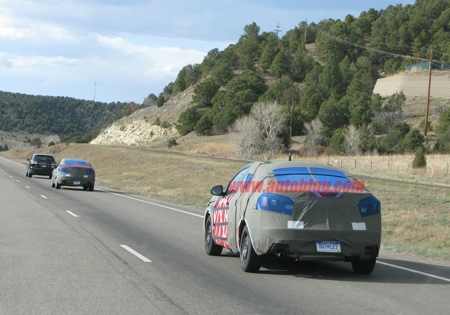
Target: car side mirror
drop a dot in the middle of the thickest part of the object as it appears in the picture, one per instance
(217, 190)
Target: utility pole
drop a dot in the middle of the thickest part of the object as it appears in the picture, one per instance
(428, 98)
(95, 89)
(306, 26)
(278, 29)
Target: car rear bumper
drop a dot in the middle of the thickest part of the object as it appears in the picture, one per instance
(302, 244)
(76, 182)
(41, 171)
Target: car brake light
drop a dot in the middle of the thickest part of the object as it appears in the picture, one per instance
(90, 171)
(33, 162)
(63, 169)
(276, 203)
(369, 206)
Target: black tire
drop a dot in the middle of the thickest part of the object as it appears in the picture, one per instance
(58, 186)
(250, 261)
(85, 187)
(49, 176)
(91, 187)
(364, 267)
(53, 184)
(211, 248)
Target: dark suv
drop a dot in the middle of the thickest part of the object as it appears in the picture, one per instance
(41, 164)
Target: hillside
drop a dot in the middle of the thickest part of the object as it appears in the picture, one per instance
(139, 129)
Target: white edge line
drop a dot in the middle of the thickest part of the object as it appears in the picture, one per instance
(135, 253)
(155, 204)
(44, 197)
(71, 213)
(414, 271)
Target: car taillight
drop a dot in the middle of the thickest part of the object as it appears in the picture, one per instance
(276, 203)
(33, 162)
(63, 169)
(369, 206)
(90, 171)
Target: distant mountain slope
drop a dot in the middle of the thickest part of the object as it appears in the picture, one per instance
(64, 116)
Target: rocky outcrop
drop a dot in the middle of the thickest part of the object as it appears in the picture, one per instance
(136, 132)
(139, 128)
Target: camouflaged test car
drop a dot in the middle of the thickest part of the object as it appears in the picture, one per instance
(307, 211)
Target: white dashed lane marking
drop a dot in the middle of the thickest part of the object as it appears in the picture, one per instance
(135, 253)
(72, 214)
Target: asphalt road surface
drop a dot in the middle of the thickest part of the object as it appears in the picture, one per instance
(71, 251)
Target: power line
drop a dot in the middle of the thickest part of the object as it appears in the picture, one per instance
(443, 65)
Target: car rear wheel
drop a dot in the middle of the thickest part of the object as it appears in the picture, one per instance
(53, 184)
(50, 176)
(211, 248)
(85, 187)
(364, 266)
(57, 186)
(250, 261)
(91, 187)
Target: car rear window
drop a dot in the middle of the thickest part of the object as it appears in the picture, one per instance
(44, 158)
(77, 163)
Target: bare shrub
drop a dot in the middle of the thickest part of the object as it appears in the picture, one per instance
(314, 137)
(246, 135)
(270, 118)
(352, 140)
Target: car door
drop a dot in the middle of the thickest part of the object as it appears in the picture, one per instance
(224, 226)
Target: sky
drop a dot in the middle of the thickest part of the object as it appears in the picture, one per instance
(124, 50)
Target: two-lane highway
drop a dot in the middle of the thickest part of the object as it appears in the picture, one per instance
(74, 251)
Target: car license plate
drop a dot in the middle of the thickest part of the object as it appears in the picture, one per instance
(328, 246)
(44, 165)
(76, 182)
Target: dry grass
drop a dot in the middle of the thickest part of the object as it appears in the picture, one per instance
(415, 204)
(416, 217)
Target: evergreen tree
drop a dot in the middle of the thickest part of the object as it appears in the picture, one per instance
(420, 160)
(280, 65)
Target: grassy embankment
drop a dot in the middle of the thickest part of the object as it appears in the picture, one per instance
(415, 204)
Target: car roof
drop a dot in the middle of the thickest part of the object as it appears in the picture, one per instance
(42, 154)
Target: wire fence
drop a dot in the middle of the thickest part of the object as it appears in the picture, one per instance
(398, 167)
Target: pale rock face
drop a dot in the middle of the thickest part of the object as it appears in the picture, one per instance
(139, 128)
(136, 132)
